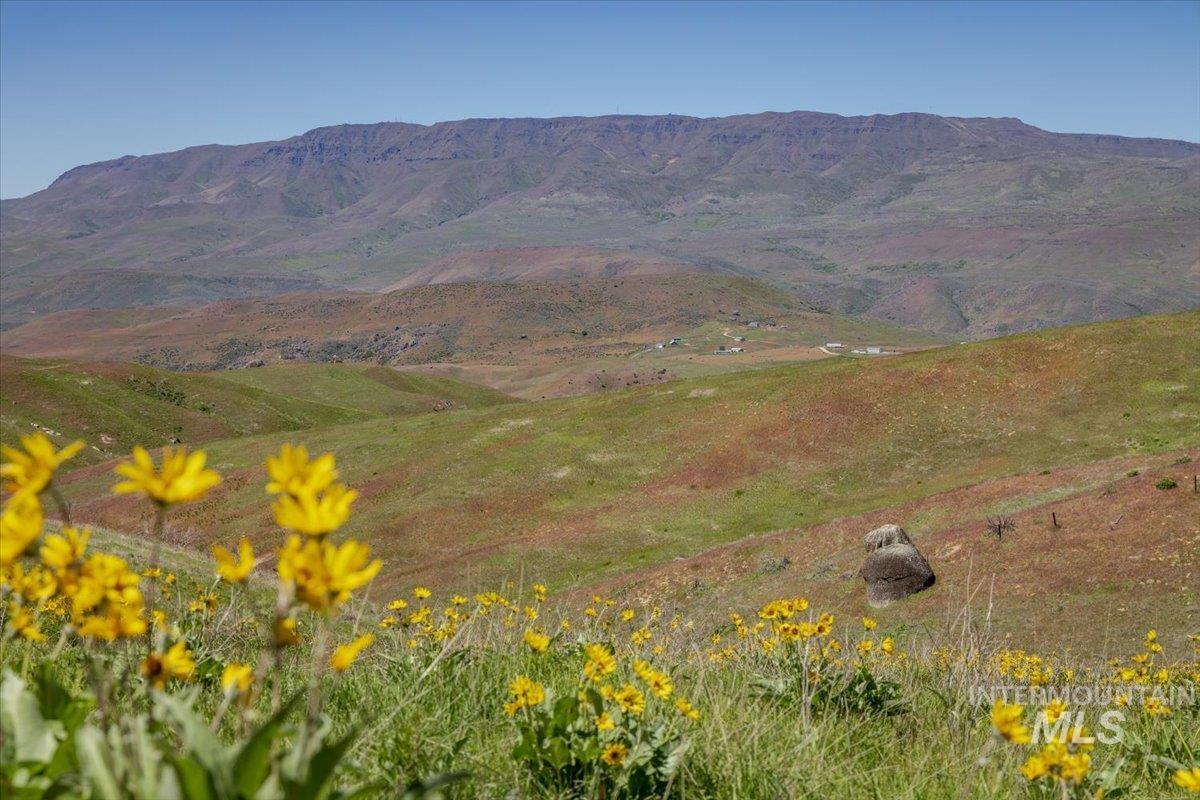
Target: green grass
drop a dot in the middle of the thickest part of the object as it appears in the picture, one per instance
(433, 709)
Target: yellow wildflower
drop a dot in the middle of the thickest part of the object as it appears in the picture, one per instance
(346, 654)
(1155, 707)
(421, 593)
(28, 471)
(182, 479)
(20, 526)
(106, 600)
(23, 624)
(292, 473)
(175, 663)
(600, 661)
(1188, 779)
(630, 699)
(397, 605)
(523, 693)
(614, 755)
(539, 592)
(322, 574)
(237, 678)
(869, 624)
(315, 514)
(234, 569)
(1054, 710)
(537, 641)
(1006, 719)
(687, 710)
(604, 722)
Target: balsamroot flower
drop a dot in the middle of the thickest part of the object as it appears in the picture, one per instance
(687, 710)
(22, 622)
(536, 640)
(237, 678)
(182, 479)
(175, 664)
(600, 662)
(20, 526)
(614, 755)
(61, 551)
(292, 473)
(658, 681)
(106, 599)
(309, 501)
(315, 514)
(323, 575)
(523, 693)
(231, 568)
(28, 471)
(1006, 719)
(346, 654)
(1058, 761)
(1188, 779)
(630, 699)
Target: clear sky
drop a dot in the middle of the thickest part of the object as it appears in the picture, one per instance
(86, 82)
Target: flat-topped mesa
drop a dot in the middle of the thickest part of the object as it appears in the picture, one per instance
(894, 568)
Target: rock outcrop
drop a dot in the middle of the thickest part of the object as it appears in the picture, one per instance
(894, 568)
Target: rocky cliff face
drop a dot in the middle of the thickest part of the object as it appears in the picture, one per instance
(834, 207)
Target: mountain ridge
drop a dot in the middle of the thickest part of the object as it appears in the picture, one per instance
(841, 210)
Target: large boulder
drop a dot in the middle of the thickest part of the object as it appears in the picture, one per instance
(895, 571)
(885, 535)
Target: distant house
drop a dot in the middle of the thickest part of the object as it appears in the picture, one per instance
(660, 346)
(737, 349)
(753, 324)
(739, 338)
(675, 340)
(874, 351)
(831, 345)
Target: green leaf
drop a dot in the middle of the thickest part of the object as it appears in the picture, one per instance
(253, 761)
(557, 752)
(91, 748)
(194, 779)
(34, 737)
(320, 770)
(194, 733)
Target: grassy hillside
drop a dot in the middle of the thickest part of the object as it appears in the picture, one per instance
(372, 389)
(114, 406)
(581, 488)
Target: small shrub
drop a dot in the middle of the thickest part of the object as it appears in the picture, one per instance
(1166, 483)
(1133, 473)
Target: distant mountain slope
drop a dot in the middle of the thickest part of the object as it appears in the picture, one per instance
(847, 209)
(505, 265)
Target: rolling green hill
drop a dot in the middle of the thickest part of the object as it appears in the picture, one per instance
(582, 488)
(115, 406)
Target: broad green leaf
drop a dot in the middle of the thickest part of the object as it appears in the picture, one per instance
(253, 761)
(34, 738)
(91, 748)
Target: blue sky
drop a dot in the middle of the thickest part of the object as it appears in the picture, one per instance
(87, 82)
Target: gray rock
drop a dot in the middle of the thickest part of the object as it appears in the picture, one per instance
(885, 535)
(894, 572)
